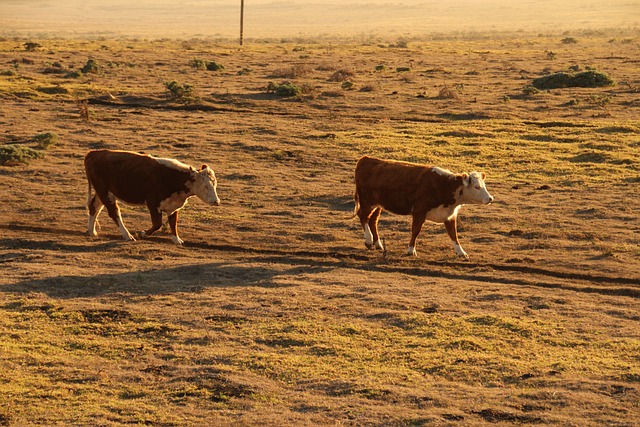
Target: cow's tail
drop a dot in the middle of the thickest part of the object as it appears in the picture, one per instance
(356, 204)
(89, 187)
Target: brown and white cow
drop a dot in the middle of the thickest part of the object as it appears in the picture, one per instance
(425, 192)
(164, 185)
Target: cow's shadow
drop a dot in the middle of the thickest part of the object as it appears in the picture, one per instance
(189, 278)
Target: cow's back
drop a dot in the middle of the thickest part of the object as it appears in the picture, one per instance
(403, 187)
(132, 177)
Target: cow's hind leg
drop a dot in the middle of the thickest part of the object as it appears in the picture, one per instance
(452, 231)
(173, 223)
(416, 227)
(114, 213)
(373, 227)
(156, 221)
(95, 206)
(364, 213)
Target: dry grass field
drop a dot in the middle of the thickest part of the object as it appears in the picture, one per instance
(274, 312)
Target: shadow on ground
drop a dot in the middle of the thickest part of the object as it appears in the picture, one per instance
(190, 278)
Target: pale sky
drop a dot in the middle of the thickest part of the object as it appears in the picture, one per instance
(283, 18)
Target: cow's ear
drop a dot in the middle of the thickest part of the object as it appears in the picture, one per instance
(465, 179)
(203, 167)
(483, 176)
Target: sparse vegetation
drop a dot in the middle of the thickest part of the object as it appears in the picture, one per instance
(91, 67)
(284, 89)
(564, 80)
(181, 92)
(294, 72)
(198, 64)
(46, 140)
(73, 75)
(347, 85)
(569, 40)
(202, 64)
(447, 92)
(83, 109)
(16, 154)
(53, 90)
(341, 75)
(32, 46)
(402, 43)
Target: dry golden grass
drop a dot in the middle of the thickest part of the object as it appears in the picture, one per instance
(274, 313)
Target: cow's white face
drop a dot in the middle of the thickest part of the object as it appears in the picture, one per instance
(205, 185)
(475, 190)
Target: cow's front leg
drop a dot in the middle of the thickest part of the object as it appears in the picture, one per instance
(156, 221)
(416, 227)
(373, 227)
(452, 229)
(173, 223)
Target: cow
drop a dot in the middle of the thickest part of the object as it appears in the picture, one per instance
(425, 192)
(163, 185)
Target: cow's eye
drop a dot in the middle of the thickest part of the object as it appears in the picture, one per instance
(477, 187)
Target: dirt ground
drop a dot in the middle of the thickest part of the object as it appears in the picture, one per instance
(274, 312)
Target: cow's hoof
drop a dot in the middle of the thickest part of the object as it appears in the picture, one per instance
(178, 241)
(369, 246)
(412, 251)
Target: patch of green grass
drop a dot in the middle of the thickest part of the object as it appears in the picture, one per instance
(501, 149)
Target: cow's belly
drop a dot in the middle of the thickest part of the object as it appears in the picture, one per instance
(173, 203)
(395, 209)
(128, 198)
(442, 213)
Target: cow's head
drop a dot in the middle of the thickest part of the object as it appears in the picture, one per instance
(475, 190)
(205, 185)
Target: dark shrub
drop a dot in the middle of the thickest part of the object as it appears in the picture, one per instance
(561, 80)
(31, 46)
(180, 92)
(569, 40)
(285, 89)
(214, 66)
(46, 140)
(18, 154)
(91, 67)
